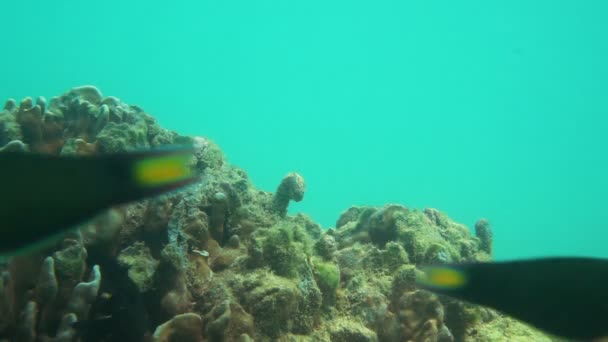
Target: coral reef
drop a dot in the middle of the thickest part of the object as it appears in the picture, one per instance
(222, 260)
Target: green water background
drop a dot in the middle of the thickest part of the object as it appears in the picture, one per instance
(492, 109)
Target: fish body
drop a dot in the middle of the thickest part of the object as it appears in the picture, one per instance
(44, 195)
(566, 297)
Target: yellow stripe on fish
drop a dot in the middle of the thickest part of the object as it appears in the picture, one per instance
(442, 277)
(158, 171)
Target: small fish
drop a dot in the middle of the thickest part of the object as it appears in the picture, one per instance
(43, 195)
(566, 296)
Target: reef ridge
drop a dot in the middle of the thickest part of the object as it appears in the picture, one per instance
(223, 260)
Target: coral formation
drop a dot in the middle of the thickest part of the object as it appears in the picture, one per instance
(291, 188)
(186, 327)
(222, 260)
(141, 265)
(484, 233)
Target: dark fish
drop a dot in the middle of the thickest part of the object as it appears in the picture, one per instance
(43, 195)
(566, 297)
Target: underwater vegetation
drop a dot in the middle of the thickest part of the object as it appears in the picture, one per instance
(223, 260)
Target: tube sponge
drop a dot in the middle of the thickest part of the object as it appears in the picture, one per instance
(484, 233)
(219, 212)
(292, 188)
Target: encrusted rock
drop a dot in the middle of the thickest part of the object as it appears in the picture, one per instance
(228, 321)
(347, 331)
(232, 265)
(187, 327)
(291, 188)
(142, 266)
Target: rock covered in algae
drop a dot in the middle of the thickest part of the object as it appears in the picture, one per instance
(142, 266)
(186, 327)
(224, 261)
(228, 321)
(348, 331)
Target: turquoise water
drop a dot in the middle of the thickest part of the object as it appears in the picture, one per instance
(481, 110)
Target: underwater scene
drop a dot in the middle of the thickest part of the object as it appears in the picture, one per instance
(313, 171)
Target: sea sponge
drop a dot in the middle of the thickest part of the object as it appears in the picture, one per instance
(291, 188)
(217, 220)
(483, 231)
(186, 327)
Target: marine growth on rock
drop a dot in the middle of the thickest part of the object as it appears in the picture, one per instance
(222, 260)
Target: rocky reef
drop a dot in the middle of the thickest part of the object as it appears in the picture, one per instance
(222, 260)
